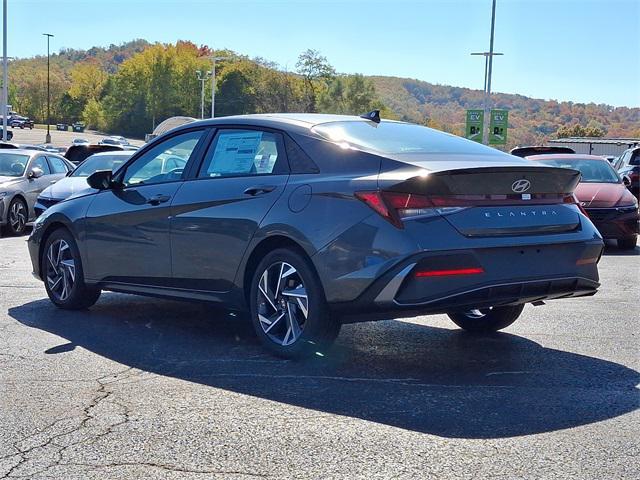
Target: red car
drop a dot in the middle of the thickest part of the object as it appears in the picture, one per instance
(603, 195)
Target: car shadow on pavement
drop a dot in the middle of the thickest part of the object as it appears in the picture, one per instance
(426, 379)
(612, 250)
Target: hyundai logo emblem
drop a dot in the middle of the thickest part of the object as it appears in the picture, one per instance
(521, 186)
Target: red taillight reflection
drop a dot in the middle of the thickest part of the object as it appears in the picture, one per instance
(454, 271)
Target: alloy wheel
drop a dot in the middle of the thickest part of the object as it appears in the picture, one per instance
(61, 269)
(283, 306)
(17, 217)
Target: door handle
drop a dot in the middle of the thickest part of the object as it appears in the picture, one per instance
(259, 190)
(158, 199)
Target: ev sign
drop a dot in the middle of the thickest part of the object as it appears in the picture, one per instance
(498, 127)
(475, 122)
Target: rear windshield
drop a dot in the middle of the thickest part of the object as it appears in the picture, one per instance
(397, 138)
(99, 162)
(593, 171)
(12, 164)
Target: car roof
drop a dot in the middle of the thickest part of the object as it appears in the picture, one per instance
(566, 156)
(25, 151)
(304, 120)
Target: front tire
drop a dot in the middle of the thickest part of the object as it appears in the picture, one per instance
(288, 308)
(63, 274)
(628, 243)
(487, 320)
(17, 217)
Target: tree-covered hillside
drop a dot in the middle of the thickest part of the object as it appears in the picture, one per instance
(129, 88)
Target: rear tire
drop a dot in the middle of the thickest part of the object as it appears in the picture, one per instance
(288, 308)
(487, 320)
(63, 274)
(628, 243)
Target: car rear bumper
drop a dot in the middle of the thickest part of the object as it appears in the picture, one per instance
(502, 276)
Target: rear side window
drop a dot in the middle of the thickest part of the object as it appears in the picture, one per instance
(57, 165)
(243, 152)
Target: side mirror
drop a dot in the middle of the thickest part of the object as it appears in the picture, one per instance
(100, 180)
(36, 172)
(626, 180)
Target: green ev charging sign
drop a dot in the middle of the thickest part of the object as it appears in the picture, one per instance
(498, 127)
(475, 122)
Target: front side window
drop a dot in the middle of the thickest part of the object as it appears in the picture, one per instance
(57, 165)
(241, 153)
(41, 163)
(163, 163)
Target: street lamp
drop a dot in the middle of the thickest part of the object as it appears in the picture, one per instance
(213, 84)
(202, 78)
(488, 64)
(48, 137)
(5, 72)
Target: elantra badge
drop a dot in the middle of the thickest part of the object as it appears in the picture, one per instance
(521, 186)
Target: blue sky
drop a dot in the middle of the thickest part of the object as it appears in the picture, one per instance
(579, 50)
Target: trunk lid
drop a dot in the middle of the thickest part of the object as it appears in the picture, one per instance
(508, 198)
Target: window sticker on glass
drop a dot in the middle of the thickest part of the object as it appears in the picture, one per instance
(235, 152)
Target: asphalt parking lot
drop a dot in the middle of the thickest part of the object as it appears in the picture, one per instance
(143, 388)
(58, 138)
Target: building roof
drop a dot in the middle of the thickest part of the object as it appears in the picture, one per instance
(615, 141)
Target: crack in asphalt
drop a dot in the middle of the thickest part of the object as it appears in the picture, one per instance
(101, 395)
(168, 468)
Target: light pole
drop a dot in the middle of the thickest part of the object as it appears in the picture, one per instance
(213, 84)
(488, 64)
(5, 72)
(485, 100)
(48, 137)
(202, 78)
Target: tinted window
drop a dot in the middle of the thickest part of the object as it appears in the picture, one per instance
(41, 163)
(241, 152)
(396, 138)
(57, 165)
(593, 171)
(99, 162)
(12, 164)
(164, 162)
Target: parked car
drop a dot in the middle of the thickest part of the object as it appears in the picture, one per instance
(628, 165)
(80, 141)
(23, 175)
(77, 153)
(21, 146)
(603, 195)
(309, 221)
(21, 122)
(63, 127)
(540, 150)
(114, 140)
(78, 127)
(76, 182)
(9, 134)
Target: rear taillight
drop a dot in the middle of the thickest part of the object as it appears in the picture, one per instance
(398, 206)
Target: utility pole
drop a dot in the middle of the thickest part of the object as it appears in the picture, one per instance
(488, 63)
(48, 137)
(202, 78)
(213, 84)
(5, 72)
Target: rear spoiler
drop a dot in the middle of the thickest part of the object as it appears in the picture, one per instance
(77, 153)
(540, 150)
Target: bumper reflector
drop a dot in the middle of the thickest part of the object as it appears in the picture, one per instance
(587, 261)
(444, 273)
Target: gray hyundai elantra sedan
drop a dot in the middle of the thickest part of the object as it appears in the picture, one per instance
(310, 221)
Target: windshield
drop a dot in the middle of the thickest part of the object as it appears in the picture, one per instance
(593, 171)
(99, 162)
(396, 138)
(12, 164)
